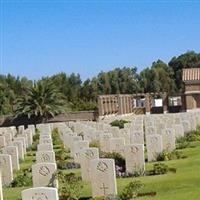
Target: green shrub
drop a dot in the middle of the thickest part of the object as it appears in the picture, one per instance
(131, 190)
(160, 168)
(190, 137)
(23, 179)
(56, 137)
(95, 144)
(61, 158)
(119, 123)
(119, 159)
(173, 155)
(36, 137)
(70, 186)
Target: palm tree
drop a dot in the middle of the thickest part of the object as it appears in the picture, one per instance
(42, 101)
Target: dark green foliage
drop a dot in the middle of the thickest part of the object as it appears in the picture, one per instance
(119, 123)
(189, 59)
(158, 78)
(62, 92)
(33, 147)
(43, 100)
(23, 179)
(95, 144)
(193, 136)
(119, 159)
(165, 155)
(131, 190)
(158, 169)
(70, 186)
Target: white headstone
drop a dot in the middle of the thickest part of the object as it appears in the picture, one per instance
(23, 140)
(169, 140)
(40, 193)
(45, 147)
(1, 190)
(43, 174)
(104, 142)
(103, 177)
(154, 146)
(13, 151)
(134, 156)
(117, 145)
(6, 169)
(20, 147)
(86, 155)
(78, 146)
(2, 141)
(45, 156)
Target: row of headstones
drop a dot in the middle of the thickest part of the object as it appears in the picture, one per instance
(134, 153)
(41, 172)
(13, 145)
(100, 172)
(45, 185)
(114, 141)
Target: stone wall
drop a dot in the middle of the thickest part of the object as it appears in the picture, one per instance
(71, 116)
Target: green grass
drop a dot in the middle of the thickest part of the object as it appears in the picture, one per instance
(183, 185)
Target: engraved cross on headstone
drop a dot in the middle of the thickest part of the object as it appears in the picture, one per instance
(104, 188)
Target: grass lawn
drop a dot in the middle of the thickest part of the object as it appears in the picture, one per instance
(182, 185)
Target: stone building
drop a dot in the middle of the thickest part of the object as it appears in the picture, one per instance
(191, 78)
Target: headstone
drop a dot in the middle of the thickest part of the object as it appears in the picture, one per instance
(40, 193)
(169, 140)
(23, 140)
(78, 146)
(67, 139)
(8, 137)
(103, 177)
(117, 145)
(13, 151)
(26, 139)
(86, 155)
(134, 156)
(20, 129)
(6, 169)
(137, 137)
(20, 147)
(179, 130)
(45, 147)
(1, 190)
(43, 174)
(45, 140)
(104, 142)
(72, 140)
(154, 146)
(32, 128)
(29, 134)
(2, 141)
(45, 156)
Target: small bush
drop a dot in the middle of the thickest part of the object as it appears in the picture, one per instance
(193, 136)
(159, 168)
(131, 190)
(119, 123)
(23, 179)
(165, 155)
(119, 159)
(56, 137)
(95, 144)
(70, 186)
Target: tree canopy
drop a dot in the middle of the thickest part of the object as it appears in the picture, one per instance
(61, 92)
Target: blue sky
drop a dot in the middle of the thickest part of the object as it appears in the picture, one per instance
(43, 37)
